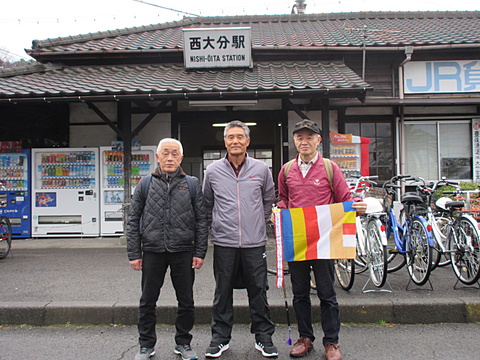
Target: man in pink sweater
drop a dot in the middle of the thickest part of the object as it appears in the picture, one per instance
(306, 184)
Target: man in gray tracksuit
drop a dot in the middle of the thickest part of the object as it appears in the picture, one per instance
(239, 193)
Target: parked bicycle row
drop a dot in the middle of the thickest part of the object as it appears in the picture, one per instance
(412, 230)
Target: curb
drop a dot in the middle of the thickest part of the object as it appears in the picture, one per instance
(105, 313)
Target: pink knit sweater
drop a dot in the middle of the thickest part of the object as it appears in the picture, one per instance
(313, 189)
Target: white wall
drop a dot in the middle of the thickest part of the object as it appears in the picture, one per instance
(101, 134)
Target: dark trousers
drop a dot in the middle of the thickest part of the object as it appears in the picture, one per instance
(251, 263)
(153, 275)
(323, 271)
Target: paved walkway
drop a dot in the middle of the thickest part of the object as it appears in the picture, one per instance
(89, 281)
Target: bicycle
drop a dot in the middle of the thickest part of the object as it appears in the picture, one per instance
(437, 217)
(412, 237)
(5, 232)
(371, 236)
(371, 241)
(463, 242)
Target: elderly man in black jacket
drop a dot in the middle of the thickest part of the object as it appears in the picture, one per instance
(167, 227)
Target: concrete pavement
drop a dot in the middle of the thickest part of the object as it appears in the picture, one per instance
(88, 281)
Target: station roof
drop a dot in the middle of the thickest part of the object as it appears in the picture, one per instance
(265, 79)
(377, 29)
(72, 68)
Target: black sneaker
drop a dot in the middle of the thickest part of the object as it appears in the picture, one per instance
(214, 351)
(267, 349)
(186, 351)
(145, 353)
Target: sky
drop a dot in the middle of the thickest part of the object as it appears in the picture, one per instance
(22, 21)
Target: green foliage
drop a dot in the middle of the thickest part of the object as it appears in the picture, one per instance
(465, 185)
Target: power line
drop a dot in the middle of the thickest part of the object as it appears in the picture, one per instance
(166, 8)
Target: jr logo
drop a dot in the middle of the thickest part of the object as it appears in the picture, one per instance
(442, 76)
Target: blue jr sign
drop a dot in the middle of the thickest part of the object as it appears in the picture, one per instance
(442, 76)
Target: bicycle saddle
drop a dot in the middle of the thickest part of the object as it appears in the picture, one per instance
(411, 198)
(455, 204)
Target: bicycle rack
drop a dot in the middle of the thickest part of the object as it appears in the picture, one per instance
(419, 287)
(376, 289)
(474, 286)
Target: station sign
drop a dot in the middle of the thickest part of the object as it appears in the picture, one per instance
(427, 77)
(217, 47)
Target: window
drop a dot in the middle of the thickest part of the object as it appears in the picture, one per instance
(437, 149)
(381, 145)
(265, 155)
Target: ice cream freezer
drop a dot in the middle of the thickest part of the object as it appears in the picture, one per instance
(65, 190)
(112, 184)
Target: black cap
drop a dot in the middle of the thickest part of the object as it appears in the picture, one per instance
(307, 124)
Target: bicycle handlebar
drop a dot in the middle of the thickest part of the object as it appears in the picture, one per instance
(461, 191)
(365, 179)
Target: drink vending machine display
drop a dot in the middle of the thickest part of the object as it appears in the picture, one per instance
(15, 191)
(112, 183)
(351, 154)
(65, 192)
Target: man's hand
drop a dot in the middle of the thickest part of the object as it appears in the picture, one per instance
(136, 264)
(197, 263)
(360, 207)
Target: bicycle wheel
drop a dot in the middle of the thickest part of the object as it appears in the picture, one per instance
(465, 252)
(5, 236)
(419, 253)
(376, 253)
(361, 259)
(442, 223)
(395, 259)
(345, 271)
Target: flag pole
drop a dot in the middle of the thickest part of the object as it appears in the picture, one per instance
(280, 269)
(289, 340)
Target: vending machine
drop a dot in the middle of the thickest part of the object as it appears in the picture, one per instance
(112, 184)
(65, 192)
(15, 191)
(351, 154)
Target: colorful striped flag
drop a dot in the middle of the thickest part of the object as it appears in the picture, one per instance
(316, 232)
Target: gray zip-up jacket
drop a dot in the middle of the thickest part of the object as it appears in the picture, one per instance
(238, 207)
(171, 220)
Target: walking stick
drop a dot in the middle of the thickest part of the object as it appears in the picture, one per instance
(289, 340)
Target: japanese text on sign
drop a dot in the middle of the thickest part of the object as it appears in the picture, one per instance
(217, 47)
(442, 76)
(476, 149)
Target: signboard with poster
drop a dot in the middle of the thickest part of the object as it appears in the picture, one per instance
(217, 47)
(476, 148)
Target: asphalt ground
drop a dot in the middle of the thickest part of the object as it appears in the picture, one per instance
(89, 281)
(357, 342)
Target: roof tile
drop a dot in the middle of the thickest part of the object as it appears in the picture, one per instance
(342, 29)
(138, 79)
